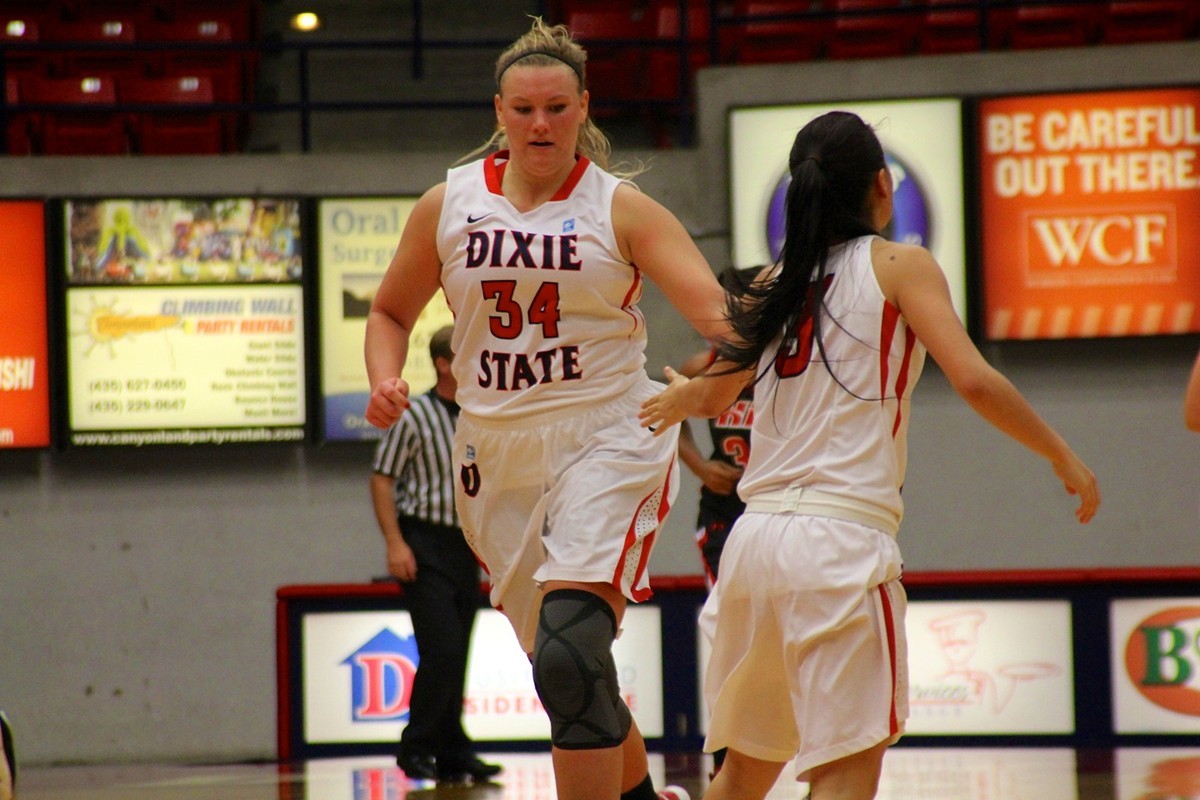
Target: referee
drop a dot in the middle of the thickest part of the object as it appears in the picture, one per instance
(412, 490)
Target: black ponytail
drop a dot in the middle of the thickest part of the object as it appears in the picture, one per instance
(833, 164)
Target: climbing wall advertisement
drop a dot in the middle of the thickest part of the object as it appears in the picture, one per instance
(24, 372)
(922, 148)
(358, 237)
(1088, 205)
(185, 322)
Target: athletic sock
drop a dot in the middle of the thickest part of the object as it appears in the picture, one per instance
(643, 791)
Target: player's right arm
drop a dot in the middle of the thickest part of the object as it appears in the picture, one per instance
(412, 279)
(912, 280)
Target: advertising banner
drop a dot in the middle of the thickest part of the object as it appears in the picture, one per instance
(357, 240)
(1088, 205)
(357, 670)
(185, 322)
(1156, 665)
(24, 367)
(922, 143)
(990, 667)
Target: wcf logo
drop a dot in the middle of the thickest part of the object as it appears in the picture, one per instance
(1162, 659)
(381, 675)
(1101, 241)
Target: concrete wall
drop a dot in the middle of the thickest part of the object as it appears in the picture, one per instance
(137, 586)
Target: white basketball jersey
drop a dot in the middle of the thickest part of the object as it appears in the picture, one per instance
(845, 432)
(545, 306)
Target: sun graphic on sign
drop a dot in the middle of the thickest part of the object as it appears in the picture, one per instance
(103, 324)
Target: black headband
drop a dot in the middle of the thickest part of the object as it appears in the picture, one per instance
(574, 68)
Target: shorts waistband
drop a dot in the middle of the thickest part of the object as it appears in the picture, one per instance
(543, 418)
(806, 500)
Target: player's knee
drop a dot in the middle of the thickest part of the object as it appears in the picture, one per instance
(574, 672)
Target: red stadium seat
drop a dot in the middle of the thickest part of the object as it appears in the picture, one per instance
(172, 131)
(664, 61)
(859, 33)
(240, 16)
(948, 26)
(139, 12)
(762, 39)
(18, 28)
(1044, 25)
(1126, 21)
(112, 61)
(616, 71)
(98, 131)
(18, 131)
(226, 68)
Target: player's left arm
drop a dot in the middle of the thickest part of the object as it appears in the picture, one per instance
(912, 280)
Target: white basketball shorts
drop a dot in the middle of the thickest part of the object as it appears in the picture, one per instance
(577, 495)
(809, 656)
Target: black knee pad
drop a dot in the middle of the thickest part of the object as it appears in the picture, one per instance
(574, 671)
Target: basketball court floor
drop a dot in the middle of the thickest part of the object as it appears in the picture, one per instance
(910, 773)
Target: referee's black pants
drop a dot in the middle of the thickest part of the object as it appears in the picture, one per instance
(442, 601)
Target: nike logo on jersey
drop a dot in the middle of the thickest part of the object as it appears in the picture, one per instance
(472, 219)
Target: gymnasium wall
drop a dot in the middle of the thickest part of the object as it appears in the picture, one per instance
(137, 586)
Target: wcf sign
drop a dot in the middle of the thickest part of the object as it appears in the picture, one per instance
(1104, 240)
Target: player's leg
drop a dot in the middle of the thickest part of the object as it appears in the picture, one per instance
(711, 539)
(613, 485)
(575, 678)
(850, 687)
(855, 777)
(744, 778)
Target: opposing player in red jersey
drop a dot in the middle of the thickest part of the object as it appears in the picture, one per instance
(541, 253)
(807, 619)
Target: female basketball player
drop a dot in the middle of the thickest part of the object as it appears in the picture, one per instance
(807, 619)
(541, 253)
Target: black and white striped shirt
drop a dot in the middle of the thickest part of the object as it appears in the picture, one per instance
(416, 451)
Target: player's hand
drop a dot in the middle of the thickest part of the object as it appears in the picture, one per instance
(388, 401)
(1080, 481)
(719, 477)
(665, 408)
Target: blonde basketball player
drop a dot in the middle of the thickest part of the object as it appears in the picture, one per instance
(541, 253)
(807, 619)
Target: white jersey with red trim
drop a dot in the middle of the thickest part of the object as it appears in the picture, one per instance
(844, 433)
(544, 304)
